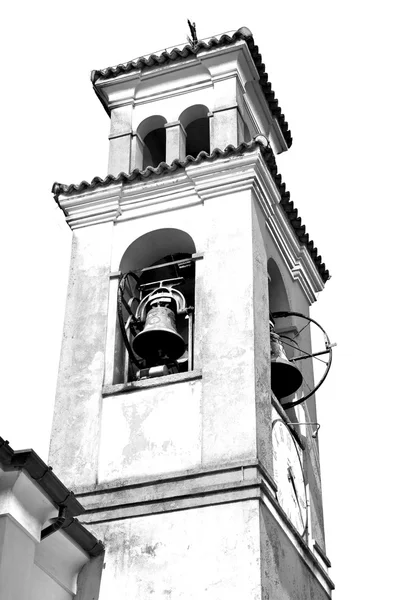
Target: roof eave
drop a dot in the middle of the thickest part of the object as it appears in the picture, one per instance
(299, 229)
(186, 51)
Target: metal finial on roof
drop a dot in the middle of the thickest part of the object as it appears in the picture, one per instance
(192, 40)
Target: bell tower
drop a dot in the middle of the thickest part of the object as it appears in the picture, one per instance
(183, 419)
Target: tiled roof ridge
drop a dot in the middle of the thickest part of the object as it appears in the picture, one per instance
(43, 475)
(268, 155)
(225, 39)
(163, 167)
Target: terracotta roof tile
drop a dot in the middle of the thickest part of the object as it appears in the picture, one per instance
(187, 51)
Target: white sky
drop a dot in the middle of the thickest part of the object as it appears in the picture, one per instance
(334, 69)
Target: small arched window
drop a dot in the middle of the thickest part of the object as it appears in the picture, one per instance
(152, 132)
(156, 306)
(196, 123)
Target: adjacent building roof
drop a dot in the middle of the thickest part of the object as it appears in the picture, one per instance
(164, 168)
(43, 475)
(191, 50)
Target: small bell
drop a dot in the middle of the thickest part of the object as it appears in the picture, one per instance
(285, 376)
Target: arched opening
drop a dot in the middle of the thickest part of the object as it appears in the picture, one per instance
(152, 246)
(196, 123)
(156, 306)
(283, 376)
(152, 132)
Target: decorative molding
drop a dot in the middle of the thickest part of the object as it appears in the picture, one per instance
(189, 490)
(141, 199)
(192, 181)
(215, 179)
(191, 473)
(172, 93)
(91, 207)
(184, 488)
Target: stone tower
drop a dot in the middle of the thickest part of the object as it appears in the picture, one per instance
(175, 460)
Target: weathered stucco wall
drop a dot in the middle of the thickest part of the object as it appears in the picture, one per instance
(284, 575)
(151, 432)
(210, 552)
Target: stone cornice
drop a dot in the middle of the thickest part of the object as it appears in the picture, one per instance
(296, 257)
(251, 172)
(193, 180)
(91, 207)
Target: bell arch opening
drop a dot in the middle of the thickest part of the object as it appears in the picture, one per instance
(278, 302)
(196, 123)
(152, 132)
(156, 306)
(286, 378)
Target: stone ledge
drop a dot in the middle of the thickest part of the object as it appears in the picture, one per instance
(122, 388)
(221, 494)
(191, 473)
(184, 485)
(255, 488)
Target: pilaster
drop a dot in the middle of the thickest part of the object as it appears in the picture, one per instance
(120, 153)
(76, 424)
(137, 149)
(175, 142)
(226, 127)
(228, 331)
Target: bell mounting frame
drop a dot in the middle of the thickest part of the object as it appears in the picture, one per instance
(306, 355)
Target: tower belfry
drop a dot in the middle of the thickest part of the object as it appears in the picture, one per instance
(191, 280)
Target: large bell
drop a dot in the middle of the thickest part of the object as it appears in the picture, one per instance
(159, 339)
(285, 376)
